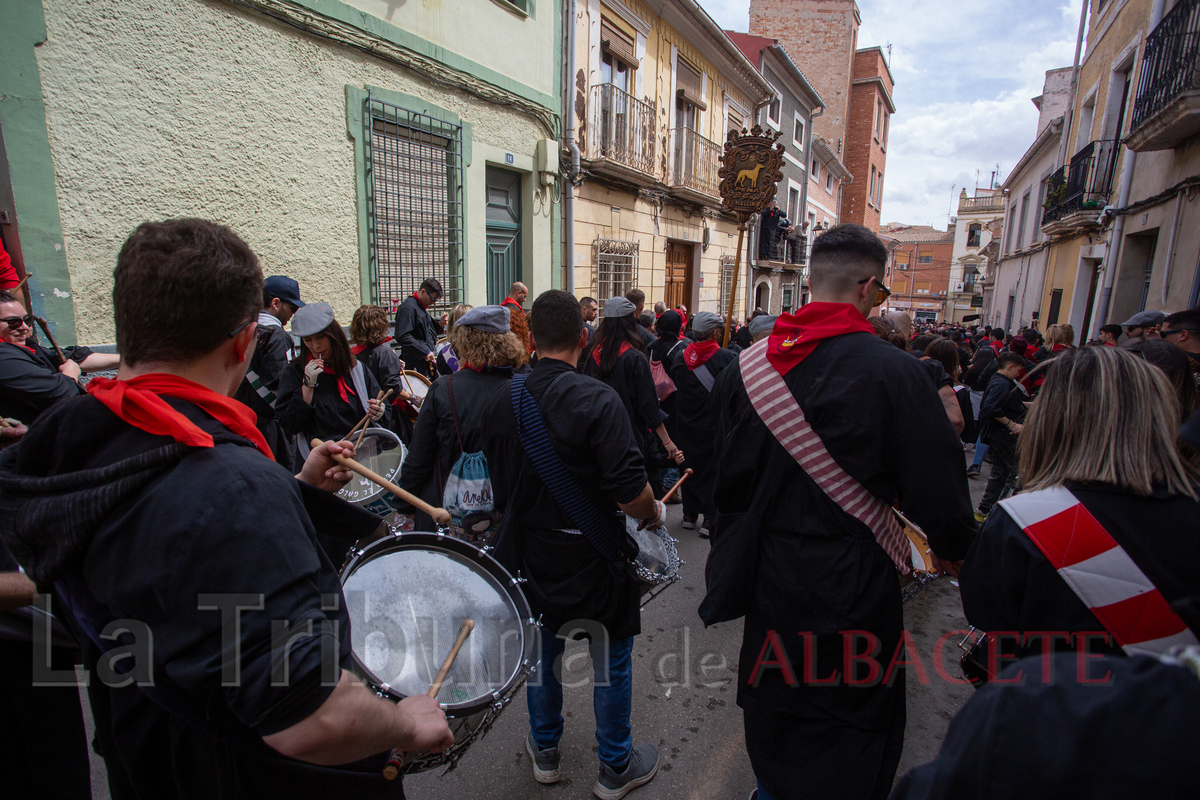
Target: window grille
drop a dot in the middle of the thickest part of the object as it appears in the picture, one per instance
(616, 268)
(414, 204)
(727, 263)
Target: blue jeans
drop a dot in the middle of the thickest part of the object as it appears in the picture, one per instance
(612, 696)
(981, 450)
(669, 477)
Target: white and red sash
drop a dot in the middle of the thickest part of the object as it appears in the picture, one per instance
(1099, 571)
(783, 416)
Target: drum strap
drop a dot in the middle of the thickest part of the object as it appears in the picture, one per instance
(1099, 571)
(598, 528)
(779, 411)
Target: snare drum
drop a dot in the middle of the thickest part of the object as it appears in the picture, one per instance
(921, 557)
(407, 596)
(380, 451)
(657, 564)
(416, 383)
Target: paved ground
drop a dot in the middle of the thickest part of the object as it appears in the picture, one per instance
(684, 703)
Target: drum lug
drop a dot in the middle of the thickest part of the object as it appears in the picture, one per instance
(487, 548)
(519, 580)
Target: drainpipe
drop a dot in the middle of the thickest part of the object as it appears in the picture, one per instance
(1171, 246)
(812, 115)
(1111, 259)
(573, 149)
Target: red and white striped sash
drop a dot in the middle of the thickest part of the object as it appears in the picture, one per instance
(1099, 571)
(783, 416)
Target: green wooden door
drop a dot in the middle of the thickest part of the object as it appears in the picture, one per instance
(503, 232)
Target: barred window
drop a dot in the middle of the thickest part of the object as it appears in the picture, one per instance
(727, 263)
(414, 204)
(616, 268)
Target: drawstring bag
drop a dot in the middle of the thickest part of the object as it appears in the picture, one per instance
(468, 494)
(664, 387)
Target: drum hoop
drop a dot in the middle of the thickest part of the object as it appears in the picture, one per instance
(358, 557)
(422, 378)
(382, 433)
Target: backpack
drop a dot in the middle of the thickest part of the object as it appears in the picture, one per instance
(468, 494)
(664, 387)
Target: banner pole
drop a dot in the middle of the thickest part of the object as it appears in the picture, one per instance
(737, 265)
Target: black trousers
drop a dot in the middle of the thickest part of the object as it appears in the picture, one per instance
(1004, 474)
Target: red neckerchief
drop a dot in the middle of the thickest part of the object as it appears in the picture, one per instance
(996, 345)
(359, 348)
(1058, 348)
(508, 301)
(1110, 344)
(343, 387)
(683, 319)
(596, 353)
(696, 353)
(418, 299)
(23, 347)
(139, 402)
(795, 336)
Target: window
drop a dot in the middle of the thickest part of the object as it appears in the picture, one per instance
(727, 264)
(925, 257)
(816, 169)
(788, 292)
(1037, 212)
(921, 287)
(974, 234)
(828, 181)
(689, 87)
(871, 190)
(618, 58)
(798, 133)
(735, 121)
(414, 203)
(773, 111)
(616, 267)
(899, 287)
(1021, 221)
(793, 209)
(879, 191)
(886, 119)
(614, 71)
(902, 260)
(878, 118)
(1012, 223)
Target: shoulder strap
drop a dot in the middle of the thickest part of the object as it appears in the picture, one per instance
(705, 376)
(598, 528)
(779, 411)
(454, 411)
(1099, 571)
(360, 386)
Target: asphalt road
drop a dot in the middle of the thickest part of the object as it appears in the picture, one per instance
(684, 702)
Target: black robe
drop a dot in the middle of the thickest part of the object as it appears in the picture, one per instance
(695, 424)
(587, 424)
(273, 349)
(435, 445)
(329, 416)
(633, 383)
(417, 334)
(30, 382)
(820, 571)
(382, 362)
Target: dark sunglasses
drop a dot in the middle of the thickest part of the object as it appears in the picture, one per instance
(16, 322)
(1174, 331)
(239, 328)
(882, 293)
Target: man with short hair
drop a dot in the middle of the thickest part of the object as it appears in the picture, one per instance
(1109, 335)
(646, 323)
(572, 559)
(660, 308)
(1001, 415)
(1141, 326)
(1182, 329)
(825, 366)
(155, 501)
(590, 309)
(516, 298)
(416, 331)
(273, 349)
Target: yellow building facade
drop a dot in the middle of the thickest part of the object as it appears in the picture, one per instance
(657, 86)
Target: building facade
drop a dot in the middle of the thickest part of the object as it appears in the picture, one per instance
(828, 178)
(919, 270)
(657, 89)
(357, 146)
(867, 127)
(968, 262)
(779, 280)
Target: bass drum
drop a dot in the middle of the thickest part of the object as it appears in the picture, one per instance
(407, 596)
(416, 383)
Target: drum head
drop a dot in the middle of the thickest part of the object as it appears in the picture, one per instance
(658, 558)
(415, 382)
(382, 452)
(407, 598)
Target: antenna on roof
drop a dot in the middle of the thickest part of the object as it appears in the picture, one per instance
(889, 58)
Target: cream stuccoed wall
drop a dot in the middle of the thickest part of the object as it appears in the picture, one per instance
(202, 109)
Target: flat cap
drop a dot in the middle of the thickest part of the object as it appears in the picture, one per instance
(618, 307)
(762, 324)
(489, 319)
(705, 323)
(1144, 319)
(313, 318)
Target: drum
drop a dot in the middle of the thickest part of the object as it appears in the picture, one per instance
(657, 564)
(381, 451)
(416, 383)
(407, 596)
(923, 572)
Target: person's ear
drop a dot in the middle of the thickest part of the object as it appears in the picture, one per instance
(243, 343)
(583, 337)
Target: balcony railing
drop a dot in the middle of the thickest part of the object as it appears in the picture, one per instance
(622, 128)
(967, 205)
(1085, 183)
(695, 161)
(1170, 66)
(787, 250)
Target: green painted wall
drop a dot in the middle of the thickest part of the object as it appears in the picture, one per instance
(23, 120)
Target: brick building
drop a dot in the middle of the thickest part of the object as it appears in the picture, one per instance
(919, 270)
(856, 85)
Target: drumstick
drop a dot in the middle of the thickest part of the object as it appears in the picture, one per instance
(397, 756)
(45, 326)
(912, 526)
(440, 515)
(687, 473)
(17, 289)
(362, 422)
(381, 398)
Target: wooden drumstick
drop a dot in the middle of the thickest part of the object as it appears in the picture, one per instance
(396, 757)
(363, 422)
(45, 326)
(440, 515)
(17, 289)
(687, 473)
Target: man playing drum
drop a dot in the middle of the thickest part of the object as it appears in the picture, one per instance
(186, 560)
(822, 583)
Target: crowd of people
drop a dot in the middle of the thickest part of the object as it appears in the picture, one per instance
(204, 470)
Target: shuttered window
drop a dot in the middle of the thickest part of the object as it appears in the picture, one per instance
(688, 84)
(617, 42)
(735, 120)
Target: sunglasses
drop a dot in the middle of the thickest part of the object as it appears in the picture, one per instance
(882, 292)
(1165, 334)
(16, 322)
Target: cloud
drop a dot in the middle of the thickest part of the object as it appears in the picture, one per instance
(965, 74)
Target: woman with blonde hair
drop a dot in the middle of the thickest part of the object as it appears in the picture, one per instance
(1106, 493)
(447, 359)
(453, 415)
(369, 333)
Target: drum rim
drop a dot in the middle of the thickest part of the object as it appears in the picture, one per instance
(423, 378)
(401, 540)
(379, 490)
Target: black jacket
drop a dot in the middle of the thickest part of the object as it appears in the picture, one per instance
(329, 416)
(416, 332)
(632, 381)
(259, 390)
(1002, 398)
(384, 365)
(30, 382)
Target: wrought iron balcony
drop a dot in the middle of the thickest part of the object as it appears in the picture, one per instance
(622, 129)
(1083, 185)
(787, 250)
(694, 162)
(1167, 109)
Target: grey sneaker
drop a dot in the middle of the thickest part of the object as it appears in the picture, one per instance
(613, 785)
(689, 522)
(545, 762)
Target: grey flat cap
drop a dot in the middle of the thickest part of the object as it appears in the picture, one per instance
(705, 323)
(1144, 319)
(489, 319)
(762, 324)
(313, 318)
(618, 307)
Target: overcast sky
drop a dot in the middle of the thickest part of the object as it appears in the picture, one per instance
(965, 72)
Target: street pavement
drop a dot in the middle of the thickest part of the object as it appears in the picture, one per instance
(684, 702)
